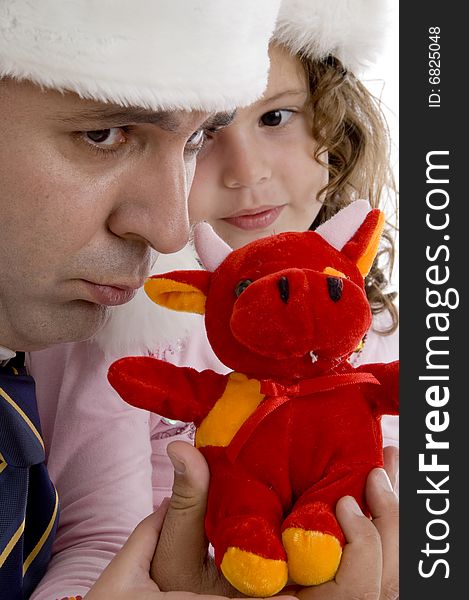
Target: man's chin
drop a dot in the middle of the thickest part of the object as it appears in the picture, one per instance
(87, 321)
(76, 322)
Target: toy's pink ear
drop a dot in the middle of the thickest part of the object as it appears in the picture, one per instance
(212, 250)
(355, 230)
(184, 291)
(340, 228)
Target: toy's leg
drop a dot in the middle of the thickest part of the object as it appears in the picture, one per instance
(313, 545)
(243, 525)
(252, 571)
(311, 535)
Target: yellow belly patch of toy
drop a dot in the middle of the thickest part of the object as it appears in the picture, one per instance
(240, 399)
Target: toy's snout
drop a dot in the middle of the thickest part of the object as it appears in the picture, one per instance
(293, 312)
(270, 312)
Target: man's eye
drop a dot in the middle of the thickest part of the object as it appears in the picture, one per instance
(274, 118)
(196, 141)
(105, 137)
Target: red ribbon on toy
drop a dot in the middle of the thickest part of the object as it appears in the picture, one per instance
(277, 394)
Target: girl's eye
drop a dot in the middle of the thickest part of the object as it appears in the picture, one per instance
(105, 137)
(274, 118)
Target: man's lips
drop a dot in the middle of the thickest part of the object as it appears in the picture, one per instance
(256, 218)
(109, 295)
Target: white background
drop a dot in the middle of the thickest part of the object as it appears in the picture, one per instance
(383, 81)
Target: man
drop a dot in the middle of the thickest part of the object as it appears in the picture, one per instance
(103, 107)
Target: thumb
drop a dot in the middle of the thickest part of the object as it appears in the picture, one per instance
(182, 548)
(191, 479)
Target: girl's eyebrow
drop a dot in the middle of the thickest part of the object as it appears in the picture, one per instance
(297, 92)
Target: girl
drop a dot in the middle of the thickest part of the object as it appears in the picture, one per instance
(314, 142)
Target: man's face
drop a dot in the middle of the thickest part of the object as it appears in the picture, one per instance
(86, 189)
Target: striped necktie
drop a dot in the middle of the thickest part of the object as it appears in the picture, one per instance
(29, 504)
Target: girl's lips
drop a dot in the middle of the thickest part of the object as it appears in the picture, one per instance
(255, 220)
(109, 295)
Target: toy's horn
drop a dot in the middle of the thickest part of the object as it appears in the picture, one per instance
(212, 250)
(340, 228)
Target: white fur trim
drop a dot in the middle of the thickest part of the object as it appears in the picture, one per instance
(141, 326)
(159, 54)
(350, 30)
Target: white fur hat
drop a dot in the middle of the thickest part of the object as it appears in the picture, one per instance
(159, 54)
(350, 30)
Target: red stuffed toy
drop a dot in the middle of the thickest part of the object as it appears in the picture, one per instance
(294, 427)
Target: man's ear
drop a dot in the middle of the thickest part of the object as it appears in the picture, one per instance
(363, 245)
(184, 291)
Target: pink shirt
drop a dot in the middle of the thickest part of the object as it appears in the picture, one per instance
(107, 459)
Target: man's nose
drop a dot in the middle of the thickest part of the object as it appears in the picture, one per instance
(245, 163)
(152, 205)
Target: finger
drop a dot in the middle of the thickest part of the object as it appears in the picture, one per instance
(361, 559)
(179, 562)
(384, 507)
(359, 574)
(131, 566)
(140, 547)
(391, 465)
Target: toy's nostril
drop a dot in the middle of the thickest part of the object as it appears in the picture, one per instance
(284, 288)
(335, 286)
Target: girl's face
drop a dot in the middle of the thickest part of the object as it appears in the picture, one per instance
(258, 176)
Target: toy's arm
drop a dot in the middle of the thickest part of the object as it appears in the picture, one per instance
(384, 398)
(180, 393)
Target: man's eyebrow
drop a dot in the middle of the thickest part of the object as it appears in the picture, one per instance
(114, 116)
(219, 120)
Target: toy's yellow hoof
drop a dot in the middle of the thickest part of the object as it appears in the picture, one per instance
(313, 557)
(254, 575)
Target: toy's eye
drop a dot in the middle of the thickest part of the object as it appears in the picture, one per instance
(241, 286)
(335, 287)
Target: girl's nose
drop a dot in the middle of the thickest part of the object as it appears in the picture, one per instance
(246, 165)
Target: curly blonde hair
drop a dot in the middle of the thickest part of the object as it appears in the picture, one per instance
(348, 122)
